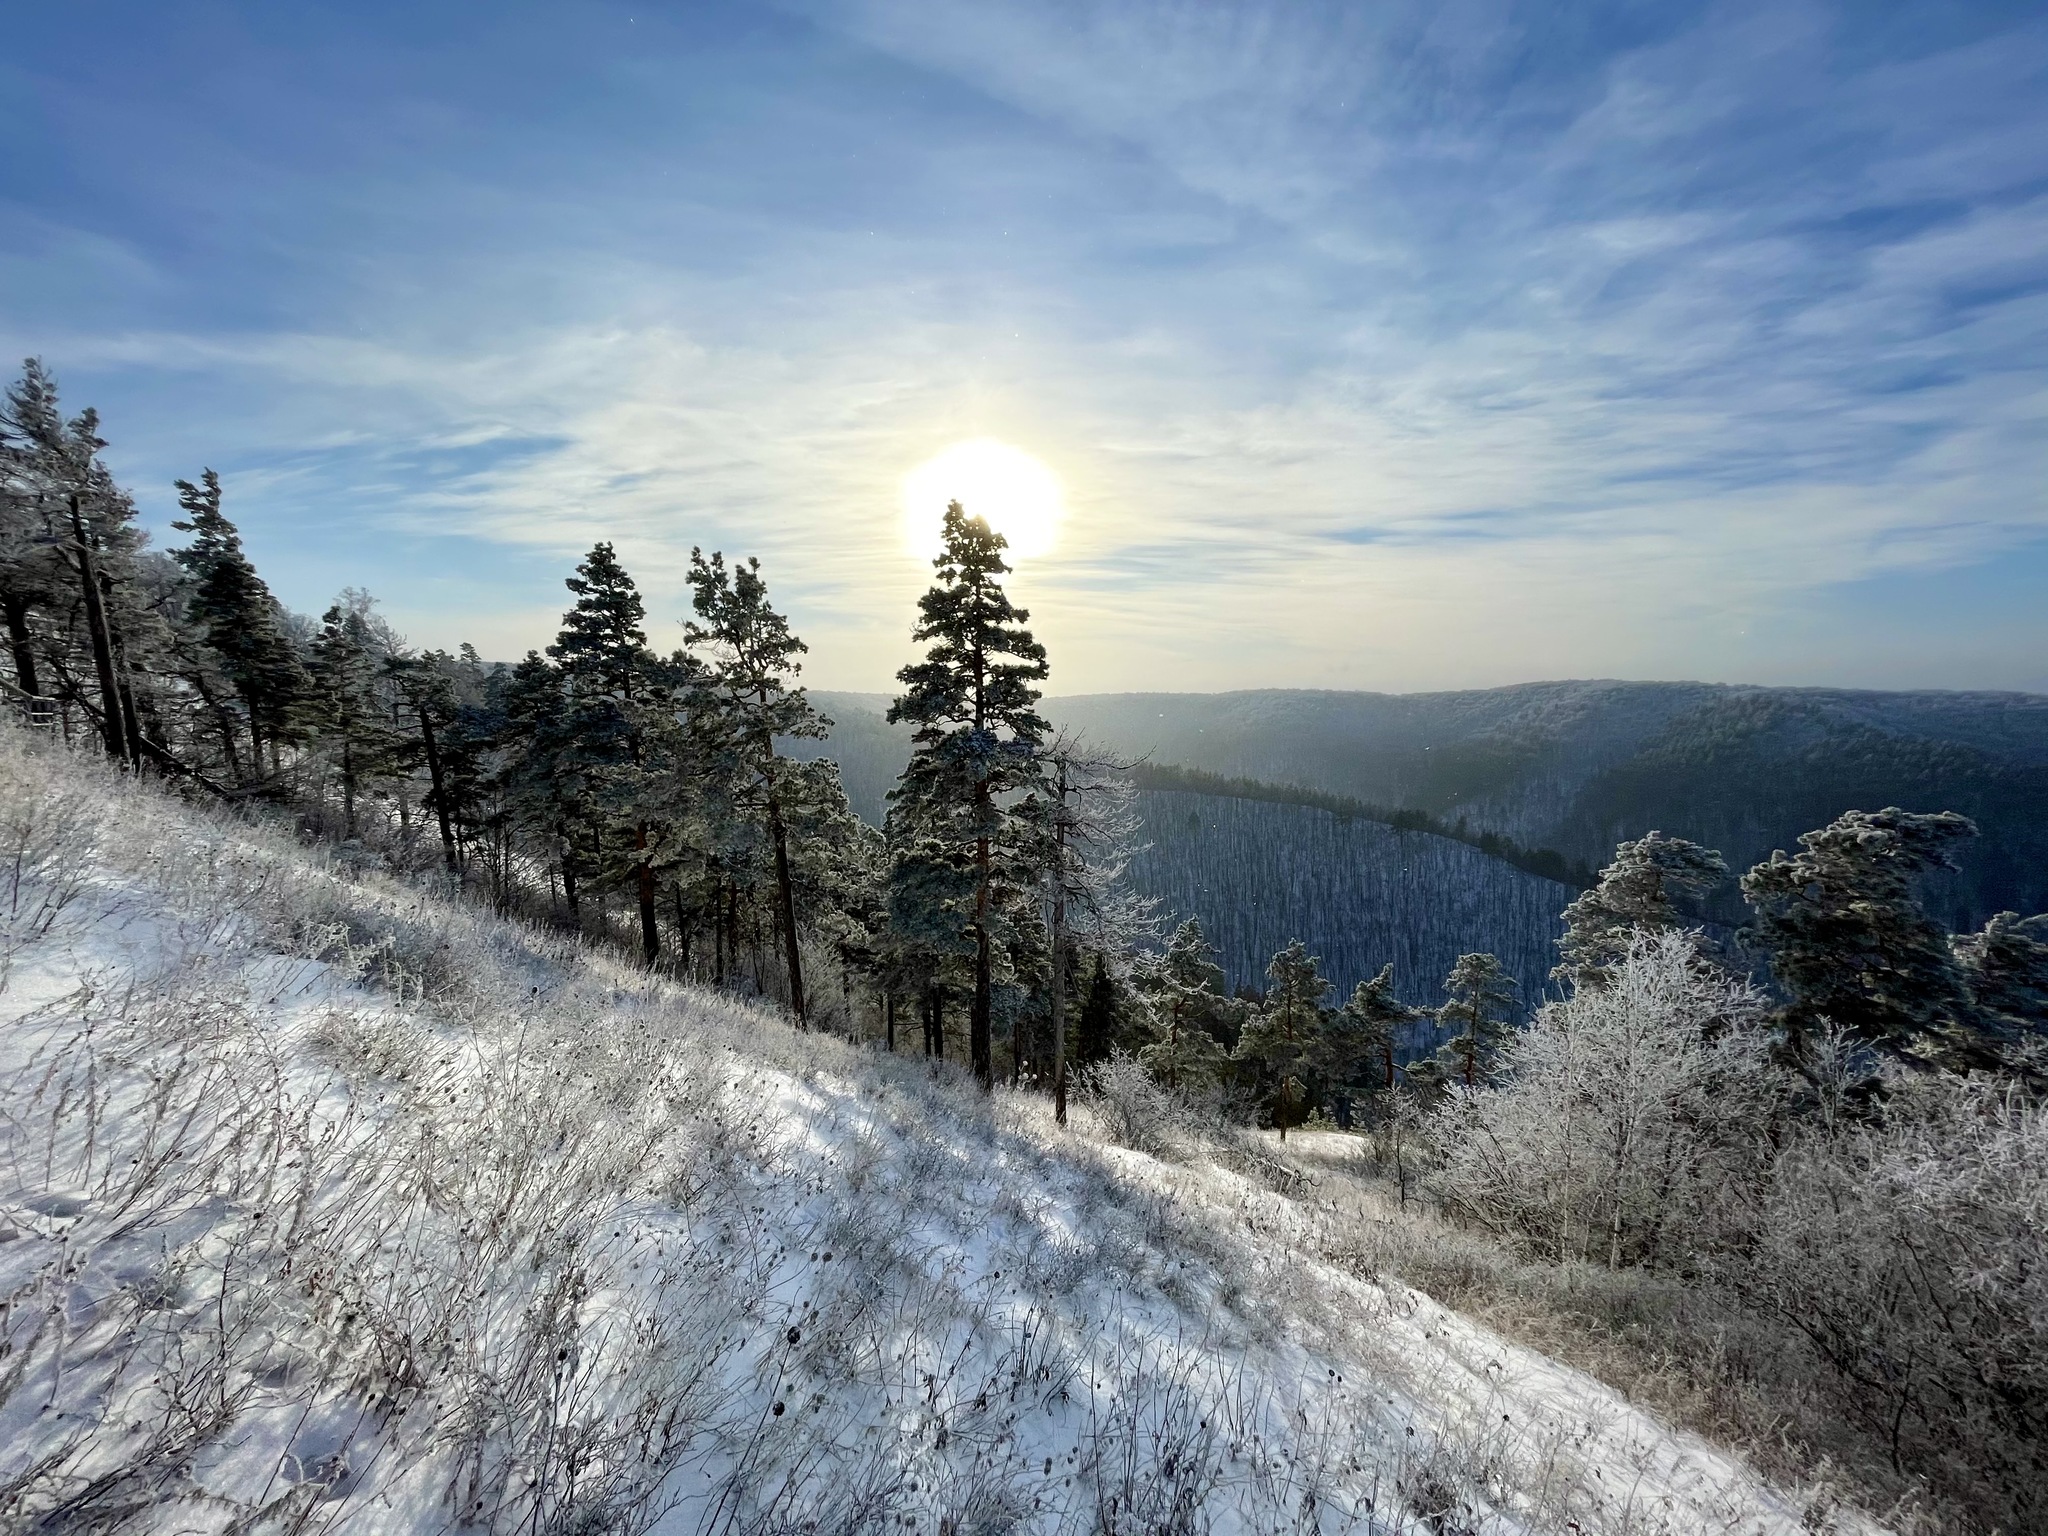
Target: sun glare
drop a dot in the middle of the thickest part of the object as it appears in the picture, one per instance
(1019, 496)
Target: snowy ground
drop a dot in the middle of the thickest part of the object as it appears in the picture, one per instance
(326, 1204)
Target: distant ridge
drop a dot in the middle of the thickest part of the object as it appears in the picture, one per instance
(1576, 766)
(1547, 863)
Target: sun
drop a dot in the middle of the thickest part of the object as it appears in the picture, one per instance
(1019, 496)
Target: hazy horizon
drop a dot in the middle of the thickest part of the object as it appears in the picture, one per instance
(1411, 349)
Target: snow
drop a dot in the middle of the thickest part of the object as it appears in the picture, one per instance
(325, 1202)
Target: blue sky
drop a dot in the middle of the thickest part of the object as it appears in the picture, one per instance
(1376, 346)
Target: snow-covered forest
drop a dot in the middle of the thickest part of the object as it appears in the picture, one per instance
(1361, 894)
(1579, 766)
(452, 1094)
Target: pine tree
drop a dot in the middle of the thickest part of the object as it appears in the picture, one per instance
(88, 522)
(425, 687)
(543, 776)
(2005, 969)
(617, 702)
(1358, 1050)
(1639, 891)
(1095, 1028)
(32, 573)
(752, 659)
(343, 700)
(1849, 941)
(1481, 1009)
(1284, 1034)
(968, 791)
(234, 611)
(1185, 990)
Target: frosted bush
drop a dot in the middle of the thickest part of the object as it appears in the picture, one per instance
(1909, 1252)
(1134, 1109)
(1628, 1117)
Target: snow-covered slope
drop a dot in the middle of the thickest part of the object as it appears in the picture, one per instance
(330, 1205)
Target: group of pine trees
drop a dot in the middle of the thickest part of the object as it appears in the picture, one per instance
(635, 793)
(645, 796)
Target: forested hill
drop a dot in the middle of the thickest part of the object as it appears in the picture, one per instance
(1579, 766)
(1260, 865)
(1573, 767)
(1359, 893)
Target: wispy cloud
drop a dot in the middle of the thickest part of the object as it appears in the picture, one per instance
(1380, 346)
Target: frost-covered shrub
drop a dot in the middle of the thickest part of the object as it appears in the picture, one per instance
(46, 827)
(1627, 1116)
(1134, 1108)
(1909, 1252)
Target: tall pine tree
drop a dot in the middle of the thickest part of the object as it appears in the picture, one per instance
(968, 791)
(1850, 942)
(1185, 989)
(1366, 1031)
(1644, 888)
(1480, 1010)
(1282, 1036)
(752, 658)
(243, 624)
(616, 707)
(352, 720)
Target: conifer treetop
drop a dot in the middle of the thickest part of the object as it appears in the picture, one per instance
(602, 647)
(982, 662)
(1641, 889)
(753, 651)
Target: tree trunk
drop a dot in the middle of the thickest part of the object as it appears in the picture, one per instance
(102, 649)
(1059, 952)
(650, 925)
(889, 1020)
(718, 932)
(255, 738)
(785, 903)
(131, 718)
(448, 852)
(124, 689)
(348, 787)
(224, 722)
(21, 644)
(980, 1046)
(682, 929)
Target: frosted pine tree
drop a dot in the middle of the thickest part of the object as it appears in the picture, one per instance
(1283, 1035)
(2005, 968)
(1363, 1034)
(234, 611)
(1185, 991)
(1640, 891)
(752, 657)
(1850, 942)
(351, 719)
(1481, 1009)
(616, 699)
(968, 797)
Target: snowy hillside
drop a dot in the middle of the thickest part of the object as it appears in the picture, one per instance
(330, 1205)
(1357, 892)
